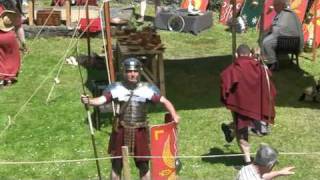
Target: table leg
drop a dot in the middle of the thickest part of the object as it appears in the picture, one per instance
(154, 66)
(161, 75)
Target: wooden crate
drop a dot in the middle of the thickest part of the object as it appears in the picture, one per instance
(53, 20)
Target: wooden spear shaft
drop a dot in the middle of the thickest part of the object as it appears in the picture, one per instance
(93, 140)
(314, 44)
(234, 36)
(86, 106)
(106, 8)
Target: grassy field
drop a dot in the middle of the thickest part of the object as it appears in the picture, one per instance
(58, 130)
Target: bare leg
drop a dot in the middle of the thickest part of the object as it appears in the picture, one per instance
(244, 147)
(146, 176)
(157, 7)
(143, 7)
(114, 176)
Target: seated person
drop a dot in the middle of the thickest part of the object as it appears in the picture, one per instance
(285, 23)
(261, 169)
(244, 78)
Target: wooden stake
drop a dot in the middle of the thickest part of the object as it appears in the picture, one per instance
(314, 45)
(68, 13)
(233, 30)
(31, 12)
(106, 9)
(125, 162)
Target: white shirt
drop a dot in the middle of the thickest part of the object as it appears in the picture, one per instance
(248, 173)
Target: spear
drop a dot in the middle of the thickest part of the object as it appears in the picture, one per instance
(91, 127)
(84, 92)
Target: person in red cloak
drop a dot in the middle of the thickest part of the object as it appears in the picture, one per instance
(248, 92)
(9, 47)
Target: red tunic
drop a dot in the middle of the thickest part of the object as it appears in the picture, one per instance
(141, 147)
(245, 90)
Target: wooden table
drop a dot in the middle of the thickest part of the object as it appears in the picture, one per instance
(153, 66)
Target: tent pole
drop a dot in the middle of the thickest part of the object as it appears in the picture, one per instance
(87, 32)
(68, 12)
(31, 12)
(314, 44)
(233, 26)
(106, 8)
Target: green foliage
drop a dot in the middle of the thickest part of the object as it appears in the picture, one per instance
(215, 4)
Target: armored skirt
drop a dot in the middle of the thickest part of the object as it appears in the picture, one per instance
(141, 143)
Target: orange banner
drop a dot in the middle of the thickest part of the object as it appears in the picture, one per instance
(299, 7)
(308, 28)
(163, 144)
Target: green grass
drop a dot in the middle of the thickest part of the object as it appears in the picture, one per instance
(59, 130)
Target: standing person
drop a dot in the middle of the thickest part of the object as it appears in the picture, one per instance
(143, 7)
(14, 5)
(131, 98)
(248, 93)
(285, 23)
(261, 168)
(9, 47)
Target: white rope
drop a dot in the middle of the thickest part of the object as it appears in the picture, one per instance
(41, 84)
(44, 24)
(64, 57)
(147, 157)
(56, 161)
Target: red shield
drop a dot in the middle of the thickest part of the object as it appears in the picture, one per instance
(226, 10)
(163, 146)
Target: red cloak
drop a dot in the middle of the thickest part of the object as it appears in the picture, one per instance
(245, 89)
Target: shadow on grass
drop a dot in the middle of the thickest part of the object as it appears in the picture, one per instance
(235, 161)
(195, 83)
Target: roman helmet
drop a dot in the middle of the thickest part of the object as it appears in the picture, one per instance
(131, 64)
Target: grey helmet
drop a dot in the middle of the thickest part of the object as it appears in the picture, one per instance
(266, 156)
(131, 64)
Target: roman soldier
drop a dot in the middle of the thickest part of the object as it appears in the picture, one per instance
(131, 97)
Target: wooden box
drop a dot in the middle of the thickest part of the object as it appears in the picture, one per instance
(53, 20)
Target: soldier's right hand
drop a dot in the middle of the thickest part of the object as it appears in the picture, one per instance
(85, 99)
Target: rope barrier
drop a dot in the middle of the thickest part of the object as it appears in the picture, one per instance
(60, 67)
(147, 157)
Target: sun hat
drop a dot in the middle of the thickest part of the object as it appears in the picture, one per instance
(8, 20)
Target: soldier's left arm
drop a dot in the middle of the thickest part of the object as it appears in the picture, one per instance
(170, 108)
